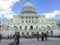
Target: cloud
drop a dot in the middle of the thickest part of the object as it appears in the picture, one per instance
(52, 14)
(9, 15)
(6, 8)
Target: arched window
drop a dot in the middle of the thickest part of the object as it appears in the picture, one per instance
(36, 17)
(14, 26)
(8, 26)
(36, 27)
(37, 32)
(26, 21)
(29, 21)
(25, 27)
(20, 27)
(48, 27)
(29, 17)
(32, 17)
(23, 33)
(27, 33)
(31, 27)
(47, 32)
(39, 29)
(32, 33)
(51, 33)
(26, 17)
(32, 21)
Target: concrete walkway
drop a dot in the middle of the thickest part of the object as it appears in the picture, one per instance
(51, 41)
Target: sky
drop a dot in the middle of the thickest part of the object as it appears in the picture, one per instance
(49, 8)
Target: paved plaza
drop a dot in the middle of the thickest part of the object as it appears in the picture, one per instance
(51, 41)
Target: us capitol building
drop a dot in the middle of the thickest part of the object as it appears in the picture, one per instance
(28, 21)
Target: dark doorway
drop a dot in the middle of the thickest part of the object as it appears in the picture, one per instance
(31, 27)
(25, 27)
(51, 33)
(47, 32)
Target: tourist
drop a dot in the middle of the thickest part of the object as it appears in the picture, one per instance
(16, 38)
(45, 36)
(0, 37)
(38, 36)
(42, 36)
(8, 37)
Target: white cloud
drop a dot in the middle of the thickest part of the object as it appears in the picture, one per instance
(5, 8)
(9, 16)
(52, 14)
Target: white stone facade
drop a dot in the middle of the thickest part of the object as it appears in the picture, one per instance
(28, 21)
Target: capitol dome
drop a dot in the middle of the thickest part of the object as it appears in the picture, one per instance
(28, 8)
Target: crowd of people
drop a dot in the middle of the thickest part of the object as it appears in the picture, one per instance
(43, 36)
(17, 36)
